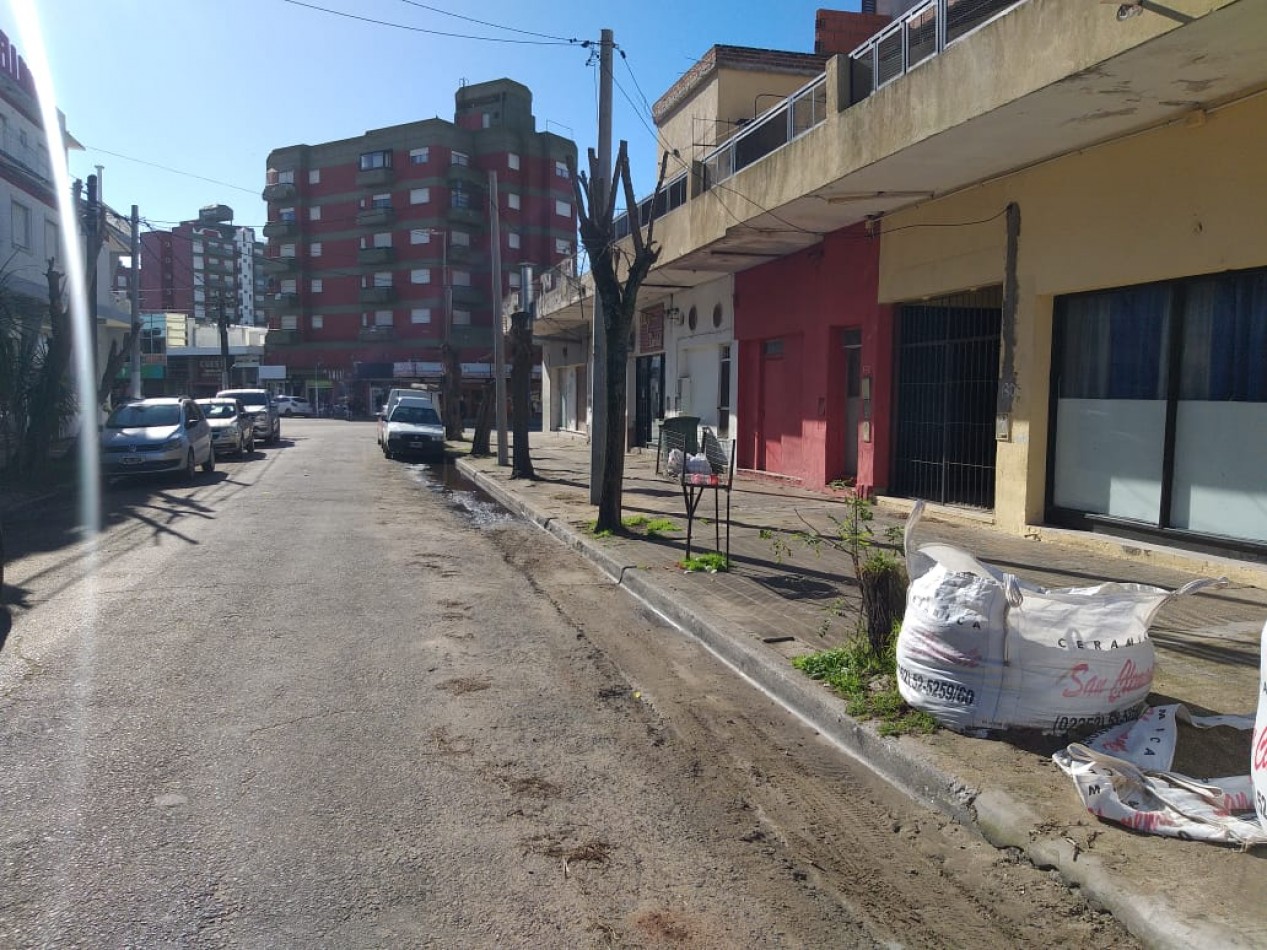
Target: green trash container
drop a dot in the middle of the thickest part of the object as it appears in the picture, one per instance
(686, 428)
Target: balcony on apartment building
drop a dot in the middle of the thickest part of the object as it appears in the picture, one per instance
(951, 93)
(279, 191)
(375, 255)
(281, 338)
(376, 334)
(283, 300)
(374, 217)
(371, 176)
(378, 294)
(275, 230)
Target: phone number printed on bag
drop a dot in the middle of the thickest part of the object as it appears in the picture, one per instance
(1097, 721)
(938, 689)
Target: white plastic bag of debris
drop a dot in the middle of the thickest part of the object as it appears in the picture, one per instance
(1123, 775)
(982, 650)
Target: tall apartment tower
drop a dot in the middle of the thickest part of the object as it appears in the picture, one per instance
(205, 268)
(380, 246)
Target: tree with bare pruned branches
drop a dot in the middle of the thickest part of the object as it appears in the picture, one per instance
(617, 275)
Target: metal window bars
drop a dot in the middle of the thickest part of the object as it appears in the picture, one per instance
(712, 467)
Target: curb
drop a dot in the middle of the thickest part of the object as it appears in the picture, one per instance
(1000, 819)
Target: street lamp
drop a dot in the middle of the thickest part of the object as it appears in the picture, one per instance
(444, 279)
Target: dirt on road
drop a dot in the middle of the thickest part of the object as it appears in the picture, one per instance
(794, 817)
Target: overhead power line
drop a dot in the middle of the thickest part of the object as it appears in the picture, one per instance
(496, 26)
(423, 29)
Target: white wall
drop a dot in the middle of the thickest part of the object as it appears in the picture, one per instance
(695, 355)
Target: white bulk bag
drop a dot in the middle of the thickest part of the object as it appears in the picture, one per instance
(1258, 758)
(980, 649)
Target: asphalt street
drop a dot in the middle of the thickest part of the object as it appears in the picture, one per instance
(318, 698)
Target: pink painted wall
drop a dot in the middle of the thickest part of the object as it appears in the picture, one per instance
(792, 416)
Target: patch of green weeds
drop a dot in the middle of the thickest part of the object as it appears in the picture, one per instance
(593, 529)
(651, 527)
(712, 563)
(868, 683)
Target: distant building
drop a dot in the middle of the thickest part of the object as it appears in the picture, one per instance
(380, 246)
(204, 268)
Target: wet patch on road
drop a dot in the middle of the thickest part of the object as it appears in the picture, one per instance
(461, 494)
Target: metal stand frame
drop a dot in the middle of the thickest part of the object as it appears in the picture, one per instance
(721, 462)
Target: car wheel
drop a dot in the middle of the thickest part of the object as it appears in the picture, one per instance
(209, 466)
(191, 467)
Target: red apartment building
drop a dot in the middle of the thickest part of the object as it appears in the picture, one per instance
(205, 268)
(380, 246)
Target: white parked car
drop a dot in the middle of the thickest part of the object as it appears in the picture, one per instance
(293, 406)
(413, 428)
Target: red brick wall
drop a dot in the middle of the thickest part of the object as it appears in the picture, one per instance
(838, 31)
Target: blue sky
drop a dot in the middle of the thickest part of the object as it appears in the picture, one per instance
(209, 87)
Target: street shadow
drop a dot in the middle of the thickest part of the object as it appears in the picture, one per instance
(6, 624)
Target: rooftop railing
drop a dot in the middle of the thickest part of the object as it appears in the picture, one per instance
(918, 35)
(673, 195)
(768, 132)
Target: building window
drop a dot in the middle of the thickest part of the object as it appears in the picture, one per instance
(379, 159)
(287, 177)
(419, 236)
(461, 278)
(460, 239)
(287, 250)
(563, 209)
(288, 286)
(512, 200)
(772, 349)
(419, 156)
(420, 315)
(717, 317)
(419, 196)
(314, 176)
(21, 226)
(459, 158)
(563, 247)
(318, 321)
(512, 279)
(561, 169)
(290, 322)
(461, 318)
(383, 278)
(314, 213)
(197, 245)
(380, 202)
(382, 318)
(317, 286)
(287, 215)
(460, 197)
(512, 161)
(198, 262)
(383, 239)
(314, 249)
(420, 275)
(512, 239)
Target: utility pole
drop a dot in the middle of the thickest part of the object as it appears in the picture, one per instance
(224, 344)
(499, 335)
(135, 282)
(598, 399)
(92, 231)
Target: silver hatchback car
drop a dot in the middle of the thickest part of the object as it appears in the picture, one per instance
(168, 434)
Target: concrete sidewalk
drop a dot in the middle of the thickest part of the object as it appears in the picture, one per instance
(1170, 893)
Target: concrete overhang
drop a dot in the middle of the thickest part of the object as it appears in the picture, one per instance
(1046, 79)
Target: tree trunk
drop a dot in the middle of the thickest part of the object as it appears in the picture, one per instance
(883, 587)
(44, 417)
(483, 423)
(613, 481)
(114, 362)
(452, 401)
(521, 393)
